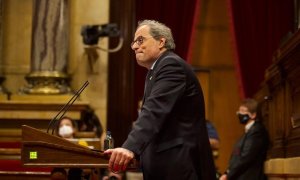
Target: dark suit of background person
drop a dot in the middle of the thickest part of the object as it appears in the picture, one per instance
(170, 135)
(249, 153)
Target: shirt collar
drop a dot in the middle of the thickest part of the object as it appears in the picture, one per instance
(248, 126)
(153, 64)
(152, 67)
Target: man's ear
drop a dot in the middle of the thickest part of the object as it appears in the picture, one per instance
(253, 115)
(162, 42)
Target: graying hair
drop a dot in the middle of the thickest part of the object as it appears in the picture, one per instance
(159, 30)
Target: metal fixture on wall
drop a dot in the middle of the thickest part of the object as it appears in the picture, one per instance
(91, 34)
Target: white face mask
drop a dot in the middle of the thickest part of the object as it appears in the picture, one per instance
(65, 131)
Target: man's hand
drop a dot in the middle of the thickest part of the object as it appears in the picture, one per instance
(119, 159)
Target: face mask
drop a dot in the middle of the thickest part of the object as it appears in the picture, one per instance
(65, 131)
(244, 118)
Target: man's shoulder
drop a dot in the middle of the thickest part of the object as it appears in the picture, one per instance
(171, 58)
(258, 127)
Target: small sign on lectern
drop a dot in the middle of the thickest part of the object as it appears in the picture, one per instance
(33, 155)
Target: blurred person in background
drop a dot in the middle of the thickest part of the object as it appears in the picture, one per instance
(249, 153)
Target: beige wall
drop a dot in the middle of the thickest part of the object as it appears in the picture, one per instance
(83, 13)
(17, 19)
(17, 28)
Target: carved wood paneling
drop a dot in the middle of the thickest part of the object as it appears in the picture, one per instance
(283, 100)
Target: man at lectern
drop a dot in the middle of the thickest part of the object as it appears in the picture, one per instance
(170, 136)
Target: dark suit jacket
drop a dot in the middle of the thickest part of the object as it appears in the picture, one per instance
(249, 154)
(170, 135)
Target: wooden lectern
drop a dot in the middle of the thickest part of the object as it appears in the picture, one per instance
(40, 149)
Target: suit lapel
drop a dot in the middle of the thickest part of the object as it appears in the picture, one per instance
(147, 88)
(149, 77)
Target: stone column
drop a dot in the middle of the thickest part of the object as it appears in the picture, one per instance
(49, 48)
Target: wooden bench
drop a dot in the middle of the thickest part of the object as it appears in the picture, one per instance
(24, 175)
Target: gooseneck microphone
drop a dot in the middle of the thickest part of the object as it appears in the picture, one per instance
(65, 108)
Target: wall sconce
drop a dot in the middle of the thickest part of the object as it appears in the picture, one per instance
(91, 34)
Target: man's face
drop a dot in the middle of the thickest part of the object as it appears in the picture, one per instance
(66, 128)
(66, 122)
(146, 48)
(245, 110)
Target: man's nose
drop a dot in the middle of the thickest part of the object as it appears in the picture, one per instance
(134, 46)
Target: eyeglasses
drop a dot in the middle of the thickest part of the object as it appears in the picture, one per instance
(139, 40)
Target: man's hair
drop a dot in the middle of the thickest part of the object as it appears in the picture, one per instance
(63, 118)
(68, 118)
(159, 30)
(251, 104)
